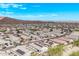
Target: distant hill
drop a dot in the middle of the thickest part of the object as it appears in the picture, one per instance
(8, 20)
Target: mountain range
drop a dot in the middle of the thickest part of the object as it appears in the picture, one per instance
(8, 20)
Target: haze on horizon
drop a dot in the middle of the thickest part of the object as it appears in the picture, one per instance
(41, 11)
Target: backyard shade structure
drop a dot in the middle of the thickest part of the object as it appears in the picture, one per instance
(20, 51)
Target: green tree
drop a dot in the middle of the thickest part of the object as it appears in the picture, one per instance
(35, 54)
(2, 30)
(56, 51)
(76, 43)
(75, 54)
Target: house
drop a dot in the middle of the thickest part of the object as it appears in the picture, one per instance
(6, 44)
(59, 41)
(38, 48)
(66, 39)
(44, 49)
(14, 38)
(74, 35)
(22, 50)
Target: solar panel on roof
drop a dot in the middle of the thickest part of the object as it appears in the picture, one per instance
(20, 51)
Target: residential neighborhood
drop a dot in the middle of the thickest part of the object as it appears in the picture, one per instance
(38, 39)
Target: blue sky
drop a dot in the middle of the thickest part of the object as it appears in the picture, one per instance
(41, 11)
